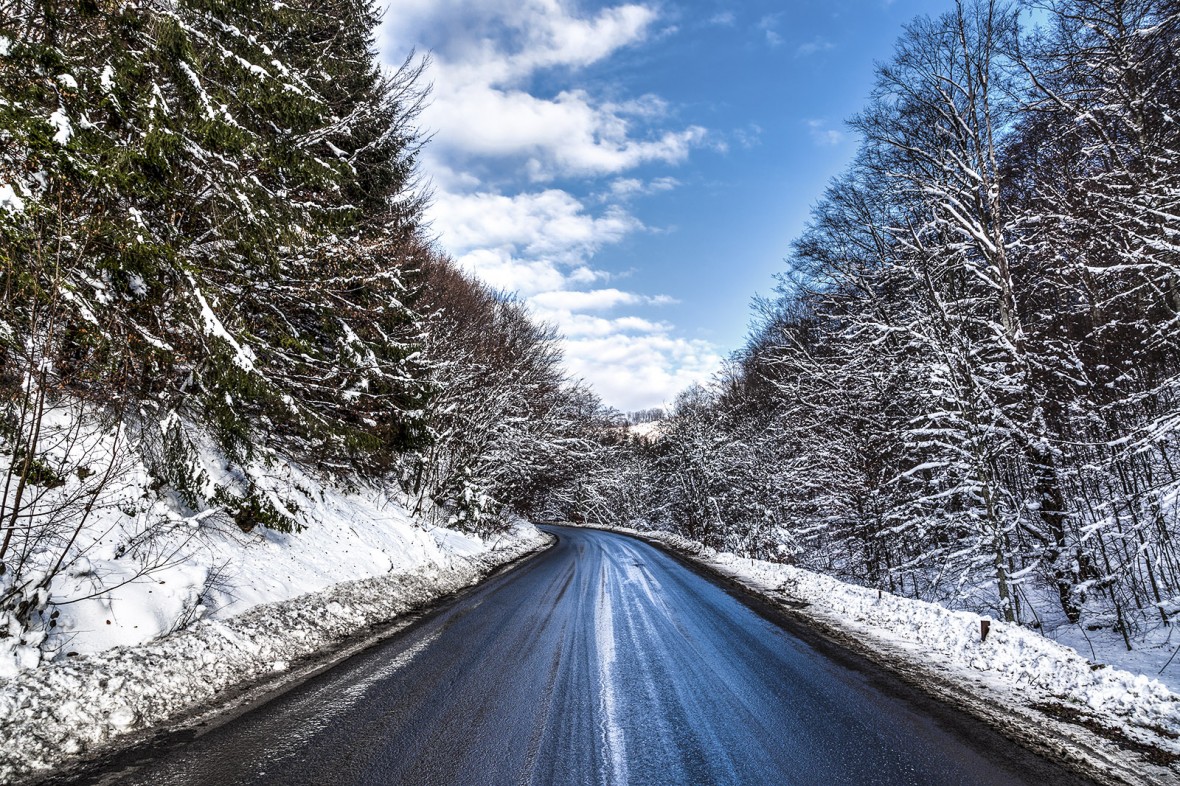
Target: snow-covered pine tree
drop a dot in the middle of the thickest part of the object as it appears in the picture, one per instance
(204, 209)
(220, 194)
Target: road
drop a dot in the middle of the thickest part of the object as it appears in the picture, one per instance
(602, 661)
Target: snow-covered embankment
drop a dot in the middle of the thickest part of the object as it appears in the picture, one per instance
(61, 710)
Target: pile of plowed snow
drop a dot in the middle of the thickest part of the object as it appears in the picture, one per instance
(60, 710)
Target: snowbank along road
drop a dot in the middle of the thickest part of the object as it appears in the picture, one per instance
(603, 660)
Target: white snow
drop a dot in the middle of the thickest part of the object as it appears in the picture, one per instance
(10, 200)
(613, 738)
(136, 283)
(161, 608)
(5, 45)
(67, 81)
(652, 429)
(61, 125)
(48, 715)
(195, 81)
(83, 309)
(243, 355)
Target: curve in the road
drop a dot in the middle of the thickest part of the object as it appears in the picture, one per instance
(602, 661)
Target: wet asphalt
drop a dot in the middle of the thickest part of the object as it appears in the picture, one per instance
(601, 661)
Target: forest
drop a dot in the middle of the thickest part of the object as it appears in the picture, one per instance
(213, 254)
(965, 386)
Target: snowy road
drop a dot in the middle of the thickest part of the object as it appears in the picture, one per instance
(601, 661)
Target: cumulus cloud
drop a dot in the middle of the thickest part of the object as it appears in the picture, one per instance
(822, 135)
(594, 300)
(644, 370)
(481, 105)
(569, 134)
(500, 146)
(550, 223)
(506, 41)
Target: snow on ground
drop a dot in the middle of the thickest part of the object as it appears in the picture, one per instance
(146, 562)
(220, 572)
(650, 430)
(1155, 654)
(54, 713)
(1014, 667)
(158, 608)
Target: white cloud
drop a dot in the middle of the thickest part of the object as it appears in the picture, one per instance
(533, 34)
(442, 176)
(814, 46)
(580, 326)
(481, 105)
(639, 371)
(550, 224)
(569, 134)
(527, 243)
(496, 138)
(541, 245)
(663, 184)
(625, 188)
(822, 135)
(593, 300)
(503, 271)
(769, 26)
(749, 137)
(723, 19)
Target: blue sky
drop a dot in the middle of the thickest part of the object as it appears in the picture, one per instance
(637, 171)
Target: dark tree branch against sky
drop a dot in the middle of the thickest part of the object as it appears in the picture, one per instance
(637, 170)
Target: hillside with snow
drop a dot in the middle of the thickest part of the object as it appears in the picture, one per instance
(247, 407)
(251, 411)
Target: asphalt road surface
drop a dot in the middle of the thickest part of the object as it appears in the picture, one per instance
(601, 661)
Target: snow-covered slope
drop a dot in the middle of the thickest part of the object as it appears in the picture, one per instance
(214, 570)
(61, 710)
(110, 553)
(133, 601)
(649, 430)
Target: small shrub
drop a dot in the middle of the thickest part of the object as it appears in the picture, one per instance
(253, 509)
